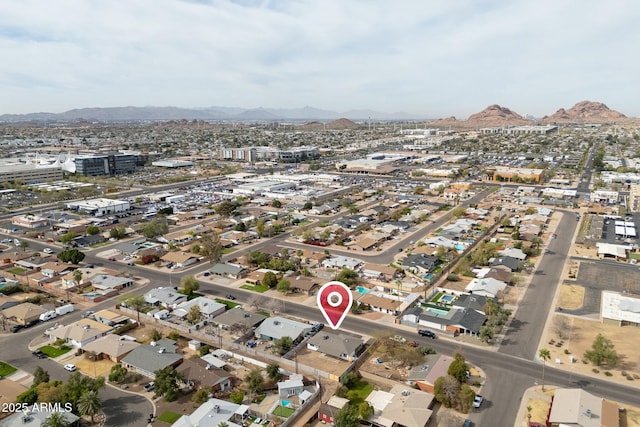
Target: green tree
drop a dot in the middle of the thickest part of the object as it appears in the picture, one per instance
(602, 352)
(237, 397)
(154, 229)
(226, 208)
(270, 279)
(89, 404)
(347, 276)
(545, 355)
(30, 396)
(365, 410)
(486, 333)
(73, 256)
(307, 206)
(211, 247)
(155, 335)
(347, 416)
(459, 212)
(136, 302)
(56, 419)
(166, 211)
(255, 381)
(273, 371)
(118, 373)
(200, 396)
(458, 368)
(77, 276)
(68, 237)
(189, 285)
(276, 203)
(283, 286)
(117, 232)
(194, 315)
(204, 350)
(446, 390)
(283, 345)
(166, 383)
(223, 424)
(466, 397)
(40, 376)
(92, 230)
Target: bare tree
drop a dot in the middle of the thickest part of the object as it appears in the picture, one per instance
(561, 327)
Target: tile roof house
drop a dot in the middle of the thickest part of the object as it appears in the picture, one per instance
(378, 271)
(180, 259)
(232, 271)
(199, 373)
(166, 297)
(274, 328)
(304, 284)
(148, 358)
(111, 346)
(341, 346)
(80, 333)
(238, 317)
(23, 313)
(381, 304)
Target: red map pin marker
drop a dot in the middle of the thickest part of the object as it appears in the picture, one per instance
(334, 301)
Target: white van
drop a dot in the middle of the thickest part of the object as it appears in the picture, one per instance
(48, 316)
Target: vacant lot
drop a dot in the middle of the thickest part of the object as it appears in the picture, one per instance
(571, 297)
(582, 333)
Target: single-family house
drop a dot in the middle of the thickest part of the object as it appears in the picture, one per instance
(107, 282)
(111, 318)
(291, 387)
(338, 345)
(148, 358)
(341, 262)
(215, 412)
(425, 375)
(513, 253)
(237, 317)
(303, 284)
(209, 308)
(166, 297)
(39, 417)
(232, 271)
(380, 272)
(80, 333)
(486, 286)
(23, 313)
(578, 408)
(381, 304)
(420, 263)
(111, 346)
(274, 328)
(473, 302)
(328, 410)
(402, 406)
(198, 373)
(180, 259)
(513, 264)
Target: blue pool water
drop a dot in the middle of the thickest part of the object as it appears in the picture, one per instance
(362, 290)
(428, 276)
(436, 311)
(459, 247)
(447, 298)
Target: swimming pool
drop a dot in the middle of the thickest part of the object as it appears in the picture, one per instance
(437, 311)
(362, 290)
(447, 298)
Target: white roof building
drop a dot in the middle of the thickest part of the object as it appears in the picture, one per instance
(623, 308)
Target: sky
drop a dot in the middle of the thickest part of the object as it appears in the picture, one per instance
(430, 58)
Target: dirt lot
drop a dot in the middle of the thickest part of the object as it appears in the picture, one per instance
(328, 364)
(571, 297)
(582, 333)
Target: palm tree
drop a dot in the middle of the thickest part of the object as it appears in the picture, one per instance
(223, 424)
(89, 404)
(545, 355)
(77, 276)
(56, 419)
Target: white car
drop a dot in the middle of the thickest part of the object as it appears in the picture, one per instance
(70, 367)
(47, 251)
(478, 401)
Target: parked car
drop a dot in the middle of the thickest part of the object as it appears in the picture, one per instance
(39, 354)
(47, 251)
(16, 328)
(426, 333)
(88, 313)
(467, 423)
(478, 401)
(399, 338)
(70, 367)
(31, 323)
(149, 386)
(230, 297)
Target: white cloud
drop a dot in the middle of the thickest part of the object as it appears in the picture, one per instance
(436, 58)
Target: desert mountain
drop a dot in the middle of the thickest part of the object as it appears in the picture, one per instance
(585, 111)
(335, 125)
(495, 115)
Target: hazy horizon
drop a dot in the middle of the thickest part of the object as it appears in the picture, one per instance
(435, 59)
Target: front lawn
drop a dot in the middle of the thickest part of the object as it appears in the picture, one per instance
(169, 417)
(283, 411)
(229, 304)
(228, 250)
(256, 288)
(16, 270)
(6, 369)
(54, 352)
